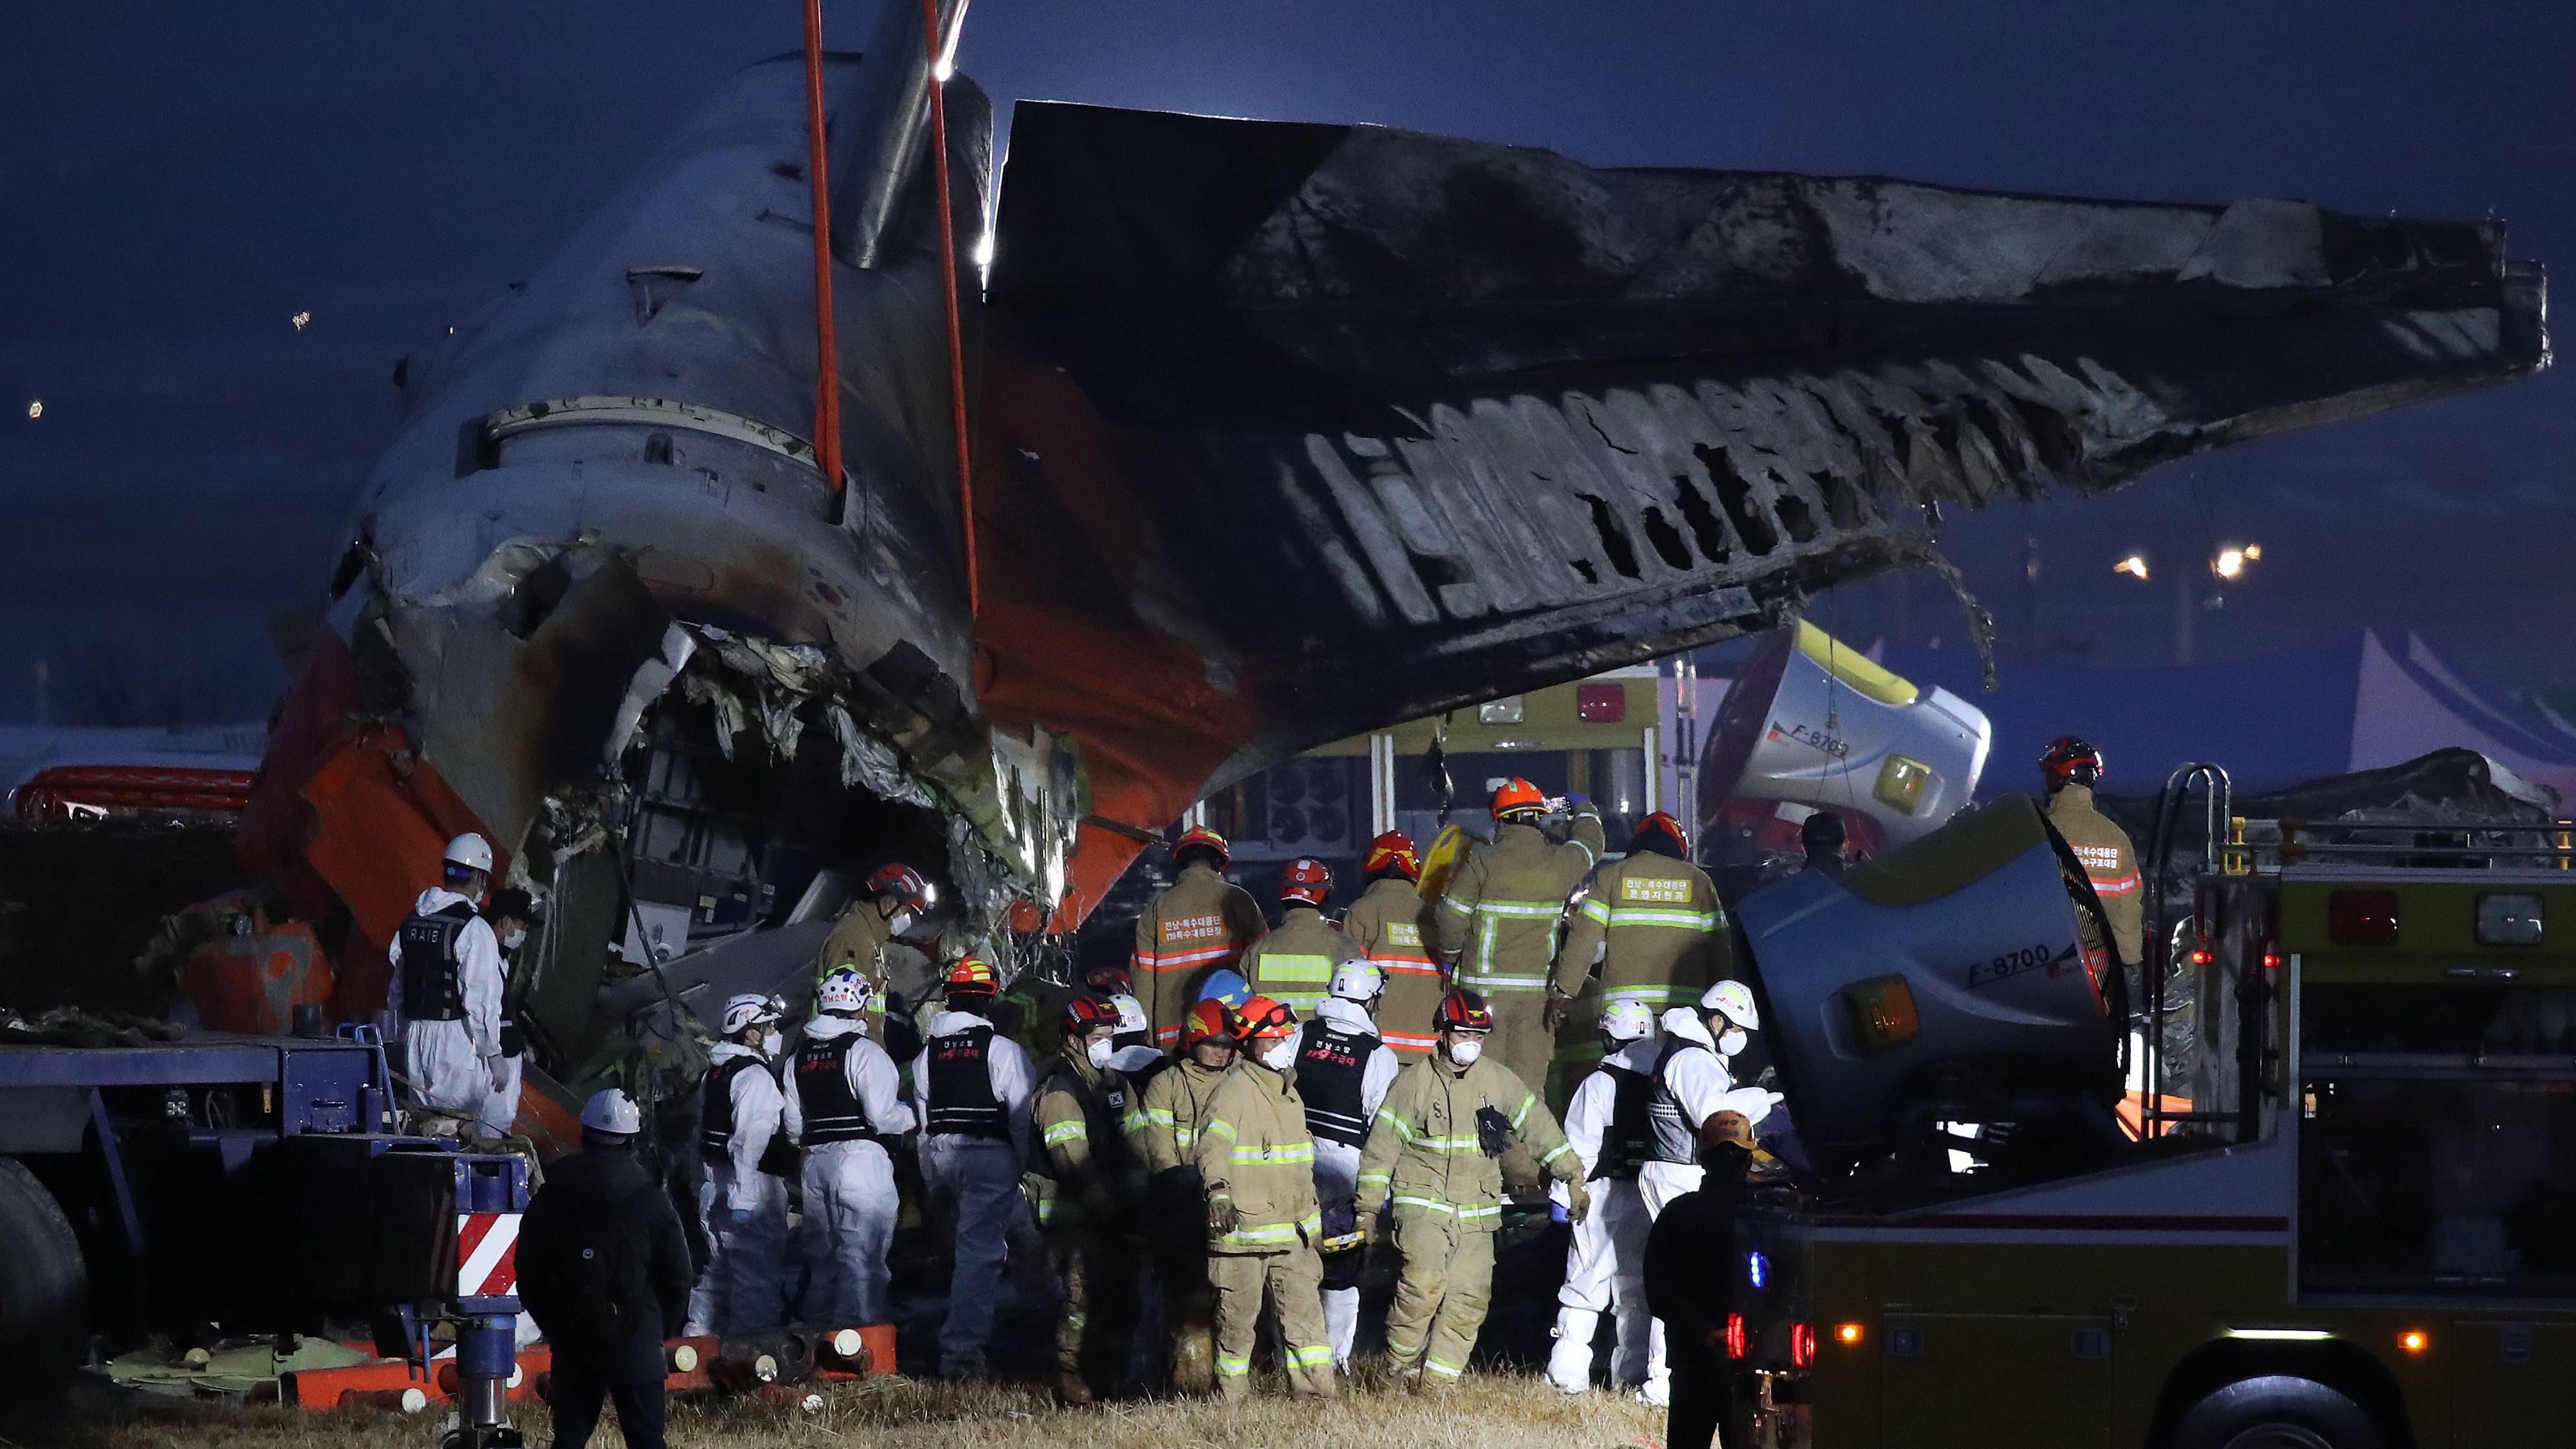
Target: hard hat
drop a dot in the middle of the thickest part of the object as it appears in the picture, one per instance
(1726, 1129)
(1199, 837)
(844, 991)
(1088, 1012)
(612, 1111)
(1675, 840)
(2070, 760)
(968, 975)
(905, 884)
(1627, 1020)
(1517, 797)
(1261, 1018)
(1110, 978)
(1306, 879)
(748, 1010)
(1210, 1020)
(1734, 1001)
(470, 851)
(1392, 851)
(1227, 986)
(1131, 1013)
(1462, 1010)
(1357, 981)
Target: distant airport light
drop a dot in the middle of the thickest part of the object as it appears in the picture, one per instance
(299, 319)
(2230, 561)
(2254, 551)
(2135, 566)
(35, 407)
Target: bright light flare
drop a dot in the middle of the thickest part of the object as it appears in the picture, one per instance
(35, 407)
(1847, 1334)
(2414, 1340)
(2229, 564)
(299, 320)
(2135, 566)
(984, 250)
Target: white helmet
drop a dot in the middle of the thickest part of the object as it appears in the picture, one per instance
(1131, 1014)
(1358, 981)
(612, 1111)
(470, 851)
(1626, 1020)
(844, 991)
(748, 1010)
(1734, 1001)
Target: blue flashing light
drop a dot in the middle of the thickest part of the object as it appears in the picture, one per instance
(1757, 1269)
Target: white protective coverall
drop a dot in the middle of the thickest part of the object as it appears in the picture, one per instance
(849, 1187)
(1337, 1166)
(1605, 1265)
(982, 1175)
(745, 1285)
(452, 1062)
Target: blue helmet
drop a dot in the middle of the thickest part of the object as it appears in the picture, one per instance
(1226, 986)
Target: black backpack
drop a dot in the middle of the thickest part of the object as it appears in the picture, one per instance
(606, 1290)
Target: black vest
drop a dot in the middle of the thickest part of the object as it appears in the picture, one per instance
(1630, 1142)
(715, 1114)
(962, 1103)
(433, 979)
(1673, 1135)
(832, 1110)
(1331, 1066)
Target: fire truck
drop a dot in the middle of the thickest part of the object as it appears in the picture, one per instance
(2324, 1199)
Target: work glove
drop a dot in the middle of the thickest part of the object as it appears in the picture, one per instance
(1223, 1216)
(1578, 1200)
(498, 1070)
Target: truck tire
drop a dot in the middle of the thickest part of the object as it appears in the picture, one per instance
(44, 1290)
(2277, 1411)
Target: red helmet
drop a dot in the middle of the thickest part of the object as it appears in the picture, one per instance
(1199, 837)
(1087, 1011)
(1260, 1017)
(1109, 978)
(972, 974)
(1462, 1010)
(894, 878)
(1306, 879)
(1392, 851)
(1663, 824)
(1516, 797)
(1207, 1021)
(2070, 760)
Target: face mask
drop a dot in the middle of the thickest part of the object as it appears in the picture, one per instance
(898, 923)
(1097, 1050)
(1731, 1041)
(1465, 1050)
(1280, 1055)
(518, 937)
(771, 1043)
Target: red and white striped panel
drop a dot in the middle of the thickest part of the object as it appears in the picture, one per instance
(487, 1255)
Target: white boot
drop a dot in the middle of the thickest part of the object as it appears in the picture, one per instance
(1569, 1364)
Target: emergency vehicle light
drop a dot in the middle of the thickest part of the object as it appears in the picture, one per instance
(2414, 1340)
(1757, 1269)
(2362, 918)
(1847, 1334)
(1802, 1345)
(1735, 1335)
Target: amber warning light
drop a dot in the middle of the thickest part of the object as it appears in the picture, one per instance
(1847, 1334)
(2414, 1340)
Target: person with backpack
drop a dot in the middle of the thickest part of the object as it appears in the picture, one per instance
(604, 1270)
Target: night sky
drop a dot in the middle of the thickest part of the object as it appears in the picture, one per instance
(178, 182)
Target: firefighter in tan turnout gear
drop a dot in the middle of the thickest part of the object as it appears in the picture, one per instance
(895, 900)
(1498, 920)
(1198, 924)
(1174, 1112)
(1393, 927)
(2072, 766)
(1293, 964)
(1654, 920)
(1258, 1162)
(1089, 1192)
(1432, 1163)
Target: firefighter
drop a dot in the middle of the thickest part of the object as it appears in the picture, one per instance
(604, 1270)
(1655, 922)
(451, 989)
(1343, 1071)
(1032, 1011)
(1293, 963)
(1198, 924)
(1498, 923)
(1258, 1163)
(511, 913)
(2072, 767)
(1605, 1264)
(1088, 1184)
(843, 1107)
(1392, 925)
(742, 1200)
(1694, 1277)
(1175, 1109)
(971, 1088)
(1433, 1159)
(894, 901)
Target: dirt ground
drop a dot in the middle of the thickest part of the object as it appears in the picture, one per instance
(1490, 1411)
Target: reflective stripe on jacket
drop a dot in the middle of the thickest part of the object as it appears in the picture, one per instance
(1255, 1152)
(1198, 924)
(1426, 1152)
(1663, 927)
(1392, 925)
(1295, 963)
(1499, 917)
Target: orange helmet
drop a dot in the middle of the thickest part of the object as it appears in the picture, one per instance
(1517, 797)
(1199, 837)
(1662, 824)
(971, 974)
(1207, 1021)
(1462, 1010)
(1306, 879)
(1260, 1017)
(1392, 851)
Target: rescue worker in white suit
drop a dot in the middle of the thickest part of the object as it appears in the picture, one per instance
(972, 1089)
(1605, 1264)
(1342, 1070)
(451, 988)
(843, 1106)
(742, 1201)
